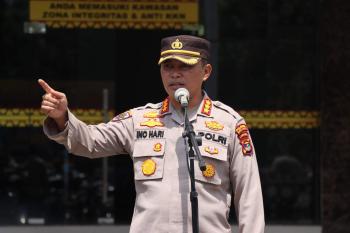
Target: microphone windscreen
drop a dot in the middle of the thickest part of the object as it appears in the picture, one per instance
(181, 92)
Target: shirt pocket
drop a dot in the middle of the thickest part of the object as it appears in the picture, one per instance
(215, 157)
(148, 158)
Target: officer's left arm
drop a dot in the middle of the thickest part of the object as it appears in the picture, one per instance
(245, 180)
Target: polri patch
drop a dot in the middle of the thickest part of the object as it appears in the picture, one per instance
(242, 133)
(213, 137)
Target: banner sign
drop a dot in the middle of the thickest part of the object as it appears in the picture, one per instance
(30, 117)
(134, 14)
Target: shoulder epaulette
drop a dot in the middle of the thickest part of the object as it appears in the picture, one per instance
(150, 105)
(227, 109)
(154, 106)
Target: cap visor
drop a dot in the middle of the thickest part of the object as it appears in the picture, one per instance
(185, 59)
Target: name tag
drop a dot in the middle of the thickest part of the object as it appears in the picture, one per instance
(149, 134)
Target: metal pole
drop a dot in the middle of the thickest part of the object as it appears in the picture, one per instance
(65, 176)
(193, 194)
(105, 159)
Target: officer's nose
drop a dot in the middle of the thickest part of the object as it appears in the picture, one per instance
(175, 74)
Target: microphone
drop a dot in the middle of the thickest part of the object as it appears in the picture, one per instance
(182, 96)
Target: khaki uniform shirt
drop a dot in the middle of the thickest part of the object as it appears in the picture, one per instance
(152, 135)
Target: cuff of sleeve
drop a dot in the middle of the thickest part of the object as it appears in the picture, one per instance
(51, 130)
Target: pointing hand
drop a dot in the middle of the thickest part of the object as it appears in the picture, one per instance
(54, 104)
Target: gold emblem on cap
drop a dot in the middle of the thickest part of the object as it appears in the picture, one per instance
(176, 44)
(148, 167)
(152, 122)
(157, 147)
(211, 150)
(209, 171)
(214, 125)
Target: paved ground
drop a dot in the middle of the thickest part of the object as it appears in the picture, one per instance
(125, 229)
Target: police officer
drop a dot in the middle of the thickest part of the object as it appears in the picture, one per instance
(152, 135)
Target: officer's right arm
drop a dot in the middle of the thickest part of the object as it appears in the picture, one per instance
(93, 141)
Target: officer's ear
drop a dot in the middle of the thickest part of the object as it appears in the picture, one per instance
(207, 71)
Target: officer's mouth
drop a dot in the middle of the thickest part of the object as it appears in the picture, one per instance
(175, 86)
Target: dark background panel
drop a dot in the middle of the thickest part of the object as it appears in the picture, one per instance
(267, 59)
(290, 179)
(268, 54)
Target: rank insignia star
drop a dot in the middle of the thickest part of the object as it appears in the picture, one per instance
(209, 171)
(211, 150)
(207, 105)
(165, 106)
(157, 147)
(214, 125)
(148, 166)
(152, 122)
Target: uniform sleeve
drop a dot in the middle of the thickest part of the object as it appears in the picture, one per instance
(93, 141)
(245, 180)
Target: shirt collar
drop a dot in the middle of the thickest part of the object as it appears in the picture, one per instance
(206, 106)
(204, 109)
(165, 108)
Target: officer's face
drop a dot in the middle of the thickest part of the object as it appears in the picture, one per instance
(176, 74)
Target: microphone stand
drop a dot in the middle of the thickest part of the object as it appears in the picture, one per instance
(192, 144)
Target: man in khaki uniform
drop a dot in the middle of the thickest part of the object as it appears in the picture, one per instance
(152, 135)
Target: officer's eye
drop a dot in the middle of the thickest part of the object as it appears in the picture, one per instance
(185, 67)
(167, 66)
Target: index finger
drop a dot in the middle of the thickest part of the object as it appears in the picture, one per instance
(45, 86)
(50, 90)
